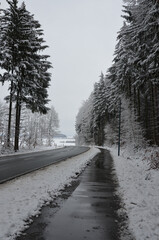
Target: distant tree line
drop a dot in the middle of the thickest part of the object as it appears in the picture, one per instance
(133, 80)
(24, 66)
(36, 129)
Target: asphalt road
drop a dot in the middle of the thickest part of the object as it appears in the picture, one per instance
(17, 165)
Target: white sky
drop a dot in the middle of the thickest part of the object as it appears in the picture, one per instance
(81, 35)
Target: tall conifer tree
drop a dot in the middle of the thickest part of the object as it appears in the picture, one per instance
(26, 68)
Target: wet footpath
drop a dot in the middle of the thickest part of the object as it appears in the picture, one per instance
(86, 210)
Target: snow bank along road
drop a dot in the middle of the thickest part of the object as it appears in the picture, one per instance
(23, 197)
(85, 211)
(14, 166)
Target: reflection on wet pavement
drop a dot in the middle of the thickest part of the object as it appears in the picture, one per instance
(88, 213)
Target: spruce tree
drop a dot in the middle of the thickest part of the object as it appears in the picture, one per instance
(8, 53)
(26, 67)
(84, 122)
(100, 105)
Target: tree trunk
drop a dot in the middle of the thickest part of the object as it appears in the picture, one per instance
(138, 104)
(146, 122)
(129, 88)
(10, 116)
(153, 114)
(157, 112)
(17, 123)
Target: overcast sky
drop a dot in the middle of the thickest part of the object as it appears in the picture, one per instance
(81, 35)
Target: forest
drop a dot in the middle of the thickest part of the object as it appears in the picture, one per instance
(129, 90)
(25, 68)
(36, 129)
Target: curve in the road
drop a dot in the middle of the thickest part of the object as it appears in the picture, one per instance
(17, 165)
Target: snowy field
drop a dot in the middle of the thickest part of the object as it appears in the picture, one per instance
(22, 198)
(28, 150)
(139, 189)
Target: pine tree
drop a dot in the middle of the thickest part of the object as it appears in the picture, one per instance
(26, 68)
(84, 122)
(100, 105)
(148, 65)
(145, 65)
(135, 63)
(8, 53)
(132, 79)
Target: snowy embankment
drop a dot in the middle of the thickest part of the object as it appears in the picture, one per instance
(22, 198)
(27, 150)
(139, 189)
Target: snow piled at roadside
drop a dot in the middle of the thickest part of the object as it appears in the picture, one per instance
(139, 189)
(27, 150)
(22, 198)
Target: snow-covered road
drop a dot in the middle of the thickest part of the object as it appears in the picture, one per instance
(23, 197)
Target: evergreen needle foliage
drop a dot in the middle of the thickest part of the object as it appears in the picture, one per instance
(133, 78)
(26, 69)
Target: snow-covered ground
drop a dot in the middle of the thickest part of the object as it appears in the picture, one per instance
(28, 150)
(139, 189)
(23, 197)
(61, 142)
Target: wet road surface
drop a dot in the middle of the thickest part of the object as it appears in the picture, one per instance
(17, 165)
(89, 212)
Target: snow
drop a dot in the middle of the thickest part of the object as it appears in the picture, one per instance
(27, 150)
(61, 142)
(23, 197)
(139, 190)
